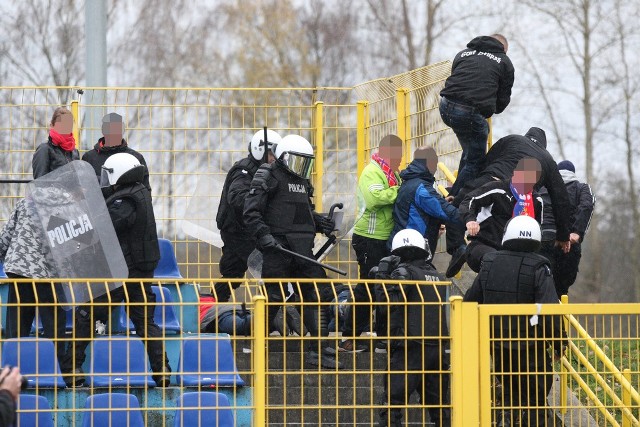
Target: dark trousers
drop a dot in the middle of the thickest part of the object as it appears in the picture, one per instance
(475, 251)
(233, 263)
(369, 252)
(454, 235)
(526, 376)
(142, 304)
(432, 386)
(230, 322)
(278, 265)
(20, 318)
(564, 266)
(472, 131)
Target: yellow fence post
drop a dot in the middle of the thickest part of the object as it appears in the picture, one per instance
(361, 133)
(626, 399)
(465, 363)
(490, 136)
(564, 378)
(75, 112)
(259, 362)
(318, 128)
(403, 111)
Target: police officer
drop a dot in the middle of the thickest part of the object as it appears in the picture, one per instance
(517, 275)
(418, 328)
(132, 215)
(238, 242)
(279, 213)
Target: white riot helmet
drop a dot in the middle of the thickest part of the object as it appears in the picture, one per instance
(296, 154)
(410, 244)
(121, 168)
(522, 234)
(256, 146)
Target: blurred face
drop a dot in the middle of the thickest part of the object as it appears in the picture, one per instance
(270, 157)
(432, 162)
(526, 176)
(391, 155)
(64, 126)
(113, 130)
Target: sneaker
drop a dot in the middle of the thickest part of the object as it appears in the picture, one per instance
(381, 347)
(163, 378)
(352, 346)
(323, 360)
(458, 258)
(75, 379)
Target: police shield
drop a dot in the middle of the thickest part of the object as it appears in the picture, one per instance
(200, 216)
(77, 231)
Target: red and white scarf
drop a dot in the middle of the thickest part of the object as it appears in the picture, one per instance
(391, 176)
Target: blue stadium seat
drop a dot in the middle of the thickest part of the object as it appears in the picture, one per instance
(168, 265)
(119, 362)
(37, 360)
(3, 275)
(38, 411)
(207, 360)
(211, 409)
(114, 409)
(164, 313)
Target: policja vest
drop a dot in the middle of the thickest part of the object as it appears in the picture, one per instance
(426, 320)
(289, 208)
(140, 243)
(508, 277)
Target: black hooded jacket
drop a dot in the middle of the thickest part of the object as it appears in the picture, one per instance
(100, 154)
(481, 77)
(503, 157)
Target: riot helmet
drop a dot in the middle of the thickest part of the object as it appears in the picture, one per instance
(296, 155)
(121, 168)
(522, 234)
(257, 144)
(410, 244)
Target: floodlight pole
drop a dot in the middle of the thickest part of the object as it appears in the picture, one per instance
(95, 13)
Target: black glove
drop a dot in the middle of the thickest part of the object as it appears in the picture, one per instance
(386, 266)
(324, 224)
(267, 242)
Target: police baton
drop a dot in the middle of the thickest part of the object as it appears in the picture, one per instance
(311, 260)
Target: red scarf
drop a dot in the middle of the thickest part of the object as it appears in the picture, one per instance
(66, 142)
(391, 177)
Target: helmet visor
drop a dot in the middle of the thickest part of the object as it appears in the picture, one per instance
(104, 177)
(300, 165)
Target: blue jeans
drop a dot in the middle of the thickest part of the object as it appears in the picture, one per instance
(472, 131)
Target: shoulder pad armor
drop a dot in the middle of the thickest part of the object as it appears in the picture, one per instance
(261, 178)
(401, 273)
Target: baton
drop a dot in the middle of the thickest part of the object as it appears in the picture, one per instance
(311, 260)
(332, 238)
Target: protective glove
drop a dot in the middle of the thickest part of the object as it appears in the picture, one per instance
(324, 224)
(386, 266)
(267, 242)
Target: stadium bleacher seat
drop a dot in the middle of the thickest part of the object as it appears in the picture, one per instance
(168, 265)
(3, 275)
(163, 314)
(119, 362)
(38, 412)
(37, 360)
(114, 409)
(209, 408)
(207, 360)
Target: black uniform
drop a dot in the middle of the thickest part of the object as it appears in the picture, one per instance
(131, 211)
(521, 362)
(565, 266)
(425, 348)
(49, 157)
(279, 204)
(238, 241)
(503, 158)
(101, 153)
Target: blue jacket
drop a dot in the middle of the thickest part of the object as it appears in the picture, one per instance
(419, 206)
